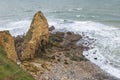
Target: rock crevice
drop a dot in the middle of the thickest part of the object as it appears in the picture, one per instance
(36, 37)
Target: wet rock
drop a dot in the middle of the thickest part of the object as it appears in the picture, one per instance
(66, 43)
(56, 38)
(36, 38)
(51, 28)
(66, 40)
(72, 37)
(103, 76)
(60, 34)
(7, 41)
(95, 58)
(69, 33)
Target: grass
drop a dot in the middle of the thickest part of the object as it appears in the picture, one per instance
(9, 70)
(28, 35)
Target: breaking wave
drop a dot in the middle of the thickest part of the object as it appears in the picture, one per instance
(106, 51)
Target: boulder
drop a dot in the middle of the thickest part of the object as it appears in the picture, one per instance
(51, 28)
(64, 39)
(7, 41)
(60, 34)
(36, 38)
(73, 37)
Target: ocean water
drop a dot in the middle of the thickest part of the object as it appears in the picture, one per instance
(98, 19)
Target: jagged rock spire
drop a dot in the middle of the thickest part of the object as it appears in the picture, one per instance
(36, 37)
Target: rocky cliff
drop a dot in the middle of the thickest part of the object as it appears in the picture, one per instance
(57, 55)
(7, 41)
(36, 38)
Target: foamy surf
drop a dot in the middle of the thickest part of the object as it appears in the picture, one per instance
(105, 51)
(17, 28)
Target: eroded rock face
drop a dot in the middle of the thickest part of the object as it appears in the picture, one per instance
(7, 41)
(36, 38)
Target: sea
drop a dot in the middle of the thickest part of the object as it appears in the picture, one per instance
(98, 19)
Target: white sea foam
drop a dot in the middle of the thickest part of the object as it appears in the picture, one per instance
(106, 51)
(16, 28)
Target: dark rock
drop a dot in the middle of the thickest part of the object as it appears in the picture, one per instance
(66, 61)
(94, 52)
(73, 37)
(51, 28)
(69, 33)
(57, 39)
(19, 49)
(18, 44)
(86, 48)
(95, 58)
(103, 76)
(66, 43)
(18, 39)
(60, 34)
(58, 60)
(53, 57)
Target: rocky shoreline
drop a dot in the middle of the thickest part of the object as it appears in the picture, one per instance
(64, 60)
(51, 55)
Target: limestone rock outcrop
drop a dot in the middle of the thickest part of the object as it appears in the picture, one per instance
(7, 41)
(36, 38)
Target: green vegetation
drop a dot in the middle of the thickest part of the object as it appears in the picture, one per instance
(7, 32)
(28, 35)
(76, 58)
(5, 39)
(9, 70)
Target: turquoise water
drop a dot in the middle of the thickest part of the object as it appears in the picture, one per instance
(99, 19)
